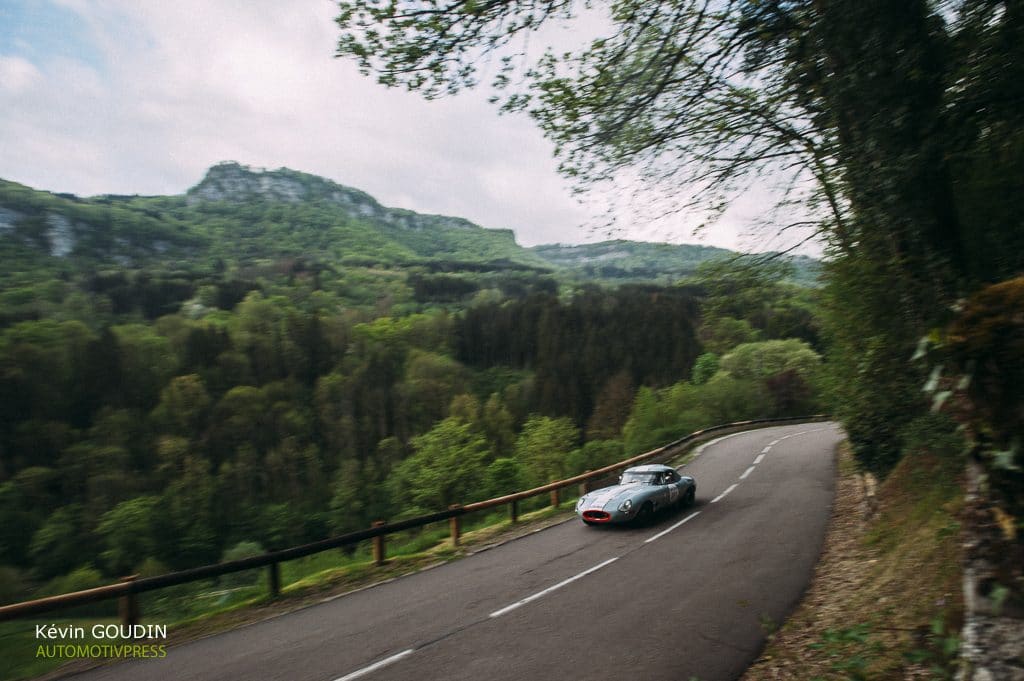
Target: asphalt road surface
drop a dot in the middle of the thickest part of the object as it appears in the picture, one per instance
(687, 597)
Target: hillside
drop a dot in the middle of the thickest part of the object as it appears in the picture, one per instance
(620, 260)
(242, 217)
(629, 259)
(270, 359)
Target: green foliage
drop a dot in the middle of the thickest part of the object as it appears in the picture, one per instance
(611, 409)
(184, 404)
(748, 300)
(20, 518)
(726, 398)
(354, 492)
(621, 260)
(497, 423)
(577, 348)
(446, 467)
(849, 97)
(758, 361)
(705, 367)
(147, 363)
(58, 546)
(281, 526)
(432, 381)
(542, 446)
(874, 388)
(661, 416)
(593, 455)
(504, 476)
(243, 549)
(79, 579)
(938, 651)
(280, 370)
(985, 342)
(127, 532)
(13, 585)
(852, 650)
(151, 567)
(933, 433)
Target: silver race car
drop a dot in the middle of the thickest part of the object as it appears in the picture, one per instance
(641, 491)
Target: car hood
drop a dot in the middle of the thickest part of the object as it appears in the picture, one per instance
(613, 496)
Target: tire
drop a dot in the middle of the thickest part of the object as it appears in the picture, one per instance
(690, 498)
(645, 514)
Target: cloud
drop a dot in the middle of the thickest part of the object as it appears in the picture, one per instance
(17, 74)
(168, 89)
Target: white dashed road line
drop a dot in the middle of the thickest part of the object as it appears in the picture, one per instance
(700, 450)
(664, 532)
(375, 666)
(539, 594)
(722, 495)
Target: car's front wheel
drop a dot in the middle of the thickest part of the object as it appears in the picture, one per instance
(645, 513)
(689, 498)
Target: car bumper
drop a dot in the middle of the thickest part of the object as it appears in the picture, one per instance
(603, 517)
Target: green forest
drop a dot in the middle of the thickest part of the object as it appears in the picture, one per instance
(272, 358)
(246, 368)
(892, 132)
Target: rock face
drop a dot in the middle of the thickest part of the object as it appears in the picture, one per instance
(8, 219)
(993, 635)
(234, 183)
(60, 234)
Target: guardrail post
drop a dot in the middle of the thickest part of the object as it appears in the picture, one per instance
(554, 497)
(378, 545)
(585, 485)
(128, 605)
(129, 602)
(274, 575)
(455, 525)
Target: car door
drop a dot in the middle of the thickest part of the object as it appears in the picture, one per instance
(672, 488)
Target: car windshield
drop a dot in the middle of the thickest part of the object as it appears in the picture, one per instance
(630, 477)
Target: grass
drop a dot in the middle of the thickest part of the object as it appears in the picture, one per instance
(210, 606)
(885, 602)
(202, 608)
(19, 645)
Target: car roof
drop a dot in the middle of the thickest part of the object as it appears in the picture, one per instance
(650, 468)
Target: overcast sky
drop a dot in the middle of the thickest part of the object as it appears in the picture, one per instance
(141, 96)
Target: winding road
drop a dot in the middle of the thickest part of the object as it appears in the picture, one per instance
(687, 597)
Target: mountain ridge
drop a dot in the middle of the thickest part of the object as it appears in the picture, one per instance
(239, 214)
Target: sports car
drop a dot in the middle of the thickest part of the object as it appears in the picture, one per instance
(642, 490)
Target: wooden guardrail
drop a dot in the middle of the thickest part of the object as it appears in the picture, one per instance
(129, 587)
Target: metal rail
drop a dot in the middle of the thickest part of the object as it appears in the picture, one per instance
(129, 587)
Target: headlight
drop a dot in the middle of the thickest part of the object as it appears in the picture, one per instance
(626, 505)
(580, 502)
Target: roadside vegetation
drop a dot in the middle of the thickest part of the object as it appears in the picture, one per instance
(157, 416)
(305, 375)
(202, 608)
(886, 600)
(893, 133)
